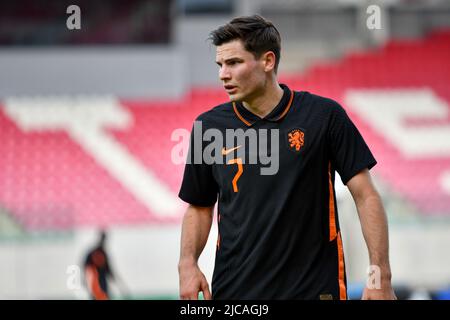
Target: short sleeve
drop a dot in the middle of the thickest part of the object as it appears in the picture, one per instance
(349, 152)
(198, 187)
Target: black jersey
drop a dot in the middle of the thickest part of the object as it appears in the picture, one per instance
(279, 233)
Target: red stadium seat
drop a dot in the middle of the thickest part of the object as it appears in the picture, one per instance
(48, 181)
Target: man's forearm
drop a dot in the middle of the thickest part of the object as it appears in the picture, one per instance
(194, 234)
(375, 230)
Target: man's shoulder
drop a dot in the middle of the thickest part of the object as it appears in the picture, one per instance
(319, 101)
(321, 106)
(216, 112)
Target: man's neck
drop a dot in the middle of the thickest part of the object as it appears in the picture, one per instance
(263, 104)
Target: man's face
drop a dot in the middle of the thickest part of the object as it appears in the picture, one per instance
(242, 75)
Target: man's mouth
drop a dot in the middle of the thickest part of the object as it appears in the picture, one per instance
(230, 88)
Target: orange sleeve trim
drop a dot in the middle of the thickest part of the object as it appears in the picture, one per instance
(332, 219)
(342, 288)
(288, 106)
(240, 116)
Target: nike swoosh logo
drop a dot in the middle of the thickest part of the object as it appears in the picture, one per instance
(227, 151)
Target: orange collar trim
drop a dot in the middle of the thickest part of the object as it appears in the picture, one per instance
(240, 116)
(281, 116)
(288, 106)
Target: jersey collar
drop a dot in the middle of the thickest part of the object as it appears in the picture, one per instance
(249, 118)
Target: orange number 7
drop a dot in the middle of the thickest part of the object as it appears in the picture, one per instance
(237, 161)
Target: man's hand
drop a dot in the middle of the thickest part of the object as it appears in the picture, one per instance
(384, 293)
(192, 281)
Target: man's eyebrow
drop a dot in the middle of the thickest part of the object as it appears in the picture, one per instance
(230, 60)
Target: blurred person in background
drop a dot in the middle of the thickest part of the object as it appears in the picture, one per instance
(279, 234)
(98, 272)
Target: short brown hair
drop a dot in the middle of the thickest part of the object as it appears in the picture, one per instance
(258, 34)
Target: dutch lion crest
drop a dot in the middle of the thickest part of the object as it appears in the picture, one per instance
(296, 138)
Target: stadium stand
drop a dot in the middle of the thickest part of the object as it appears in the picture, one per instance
(51, 179)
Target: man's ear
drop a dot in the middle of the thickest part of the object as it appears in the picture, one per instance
(269, 61)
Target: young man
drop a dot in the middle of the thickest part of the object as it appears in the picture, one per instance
(97, 270)
(279, 234)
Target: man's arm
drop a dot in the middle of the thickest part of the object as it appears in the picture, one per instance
(194, 235)
(375, 230)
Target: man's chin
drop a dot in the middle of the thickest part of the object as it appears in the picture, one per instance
(234, 98)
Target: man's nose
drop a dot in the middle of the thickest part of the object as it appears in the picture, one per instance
(224, 73)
